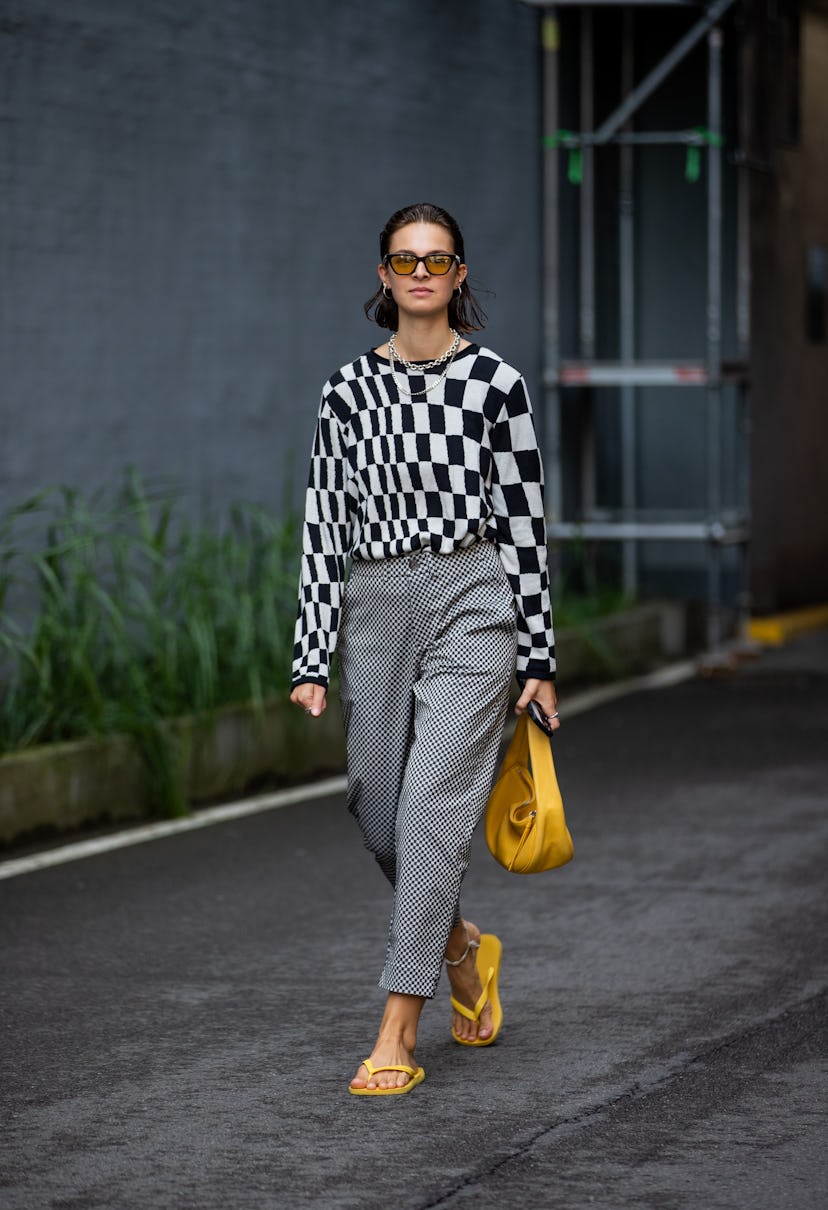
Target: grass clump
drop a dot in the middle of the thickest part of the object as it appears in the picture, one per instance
(117, 616)
(580, 599)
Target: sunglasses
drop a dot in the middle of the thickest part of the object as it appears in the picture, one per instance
(404, 263)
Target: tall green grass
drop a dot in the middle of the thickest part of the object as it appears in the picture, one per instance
(118, 612)
(116, 615)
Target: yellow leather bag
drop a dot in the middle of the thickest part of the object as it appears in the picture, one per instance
(525, 824)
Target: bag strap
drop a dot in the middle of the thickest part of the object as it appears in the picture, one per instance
(540, 754)
(518, 751)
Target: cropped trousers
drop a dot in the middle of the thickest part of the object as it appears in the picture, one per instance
(427, 649)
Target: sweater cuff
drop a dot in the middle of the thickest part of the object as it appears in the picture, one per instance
(532, 674)
(309, 680)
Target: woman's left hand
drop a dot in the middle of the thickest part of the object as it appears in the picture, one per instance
(542, 692)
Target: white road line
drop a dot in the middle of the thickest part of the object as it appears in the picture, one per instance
(172, 827)
(578, 703)
(589, 699)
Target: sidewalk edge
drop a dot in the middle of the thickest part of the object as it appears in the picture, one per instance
(578, 703)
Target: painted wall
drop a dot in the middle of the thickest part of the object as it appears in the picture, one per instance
(190, 202)
(789, 448)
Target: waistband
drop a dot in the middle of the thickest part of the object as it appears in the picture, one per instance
(481, 550)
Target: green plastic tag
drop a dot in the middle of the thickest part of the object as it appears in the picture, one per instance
(692, 165)
(575, 163)
(692, 160)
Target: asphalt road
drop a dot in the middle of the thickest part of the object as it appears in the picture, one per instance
(180, 1019)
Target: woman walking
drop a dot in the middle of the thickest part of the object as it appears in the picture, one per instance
(425, 475)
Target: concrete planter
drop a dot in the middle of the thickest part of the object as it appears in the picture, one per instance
(66, 786)
(90, 781)
(622, 643)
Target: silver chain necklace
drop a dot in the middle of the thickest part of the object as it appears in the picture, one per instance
(414, 367)
(419, 366)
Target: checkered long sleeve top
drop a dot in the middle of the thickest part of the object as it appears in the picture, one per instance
(391, 475)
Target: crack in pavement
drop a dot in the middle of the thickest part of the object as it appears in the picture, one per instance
(731, 1060)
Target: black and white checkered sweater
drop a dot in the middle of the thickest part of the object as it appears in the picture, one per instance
(392, 475)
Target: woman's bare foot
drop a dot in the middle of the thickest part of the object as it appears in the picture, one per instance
(386, 1055)
(465, 983)
(395, 1044)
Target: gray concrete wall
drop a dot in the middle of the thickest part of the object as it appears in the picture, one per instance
(190, 197)
(190, 201)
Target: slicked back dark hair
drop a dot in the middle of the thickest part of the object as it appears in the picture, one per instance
(464, 313)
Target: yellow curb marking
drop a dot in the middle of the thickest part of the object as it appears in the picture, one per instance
(782, 627)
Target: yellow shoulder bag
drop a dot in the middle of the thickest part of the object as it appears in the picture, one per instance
(525, 824)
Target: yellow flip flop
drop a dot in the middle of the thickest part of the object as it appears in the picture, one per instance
(417, 1076)
(489, 954)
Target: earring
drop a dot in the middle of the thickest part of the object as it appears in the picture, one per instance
(459, 293)
(386, 293)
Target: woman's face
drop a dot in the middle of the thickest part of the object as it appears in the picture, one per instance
(422, 293)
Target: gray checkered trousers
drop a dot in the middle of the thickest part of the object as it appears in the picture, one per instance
(427, 649)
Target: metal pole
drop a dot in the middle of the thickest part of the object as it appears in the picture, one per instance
(586, 313)
(626, 266)
(586, 310)
(551, 268)
(714, 336)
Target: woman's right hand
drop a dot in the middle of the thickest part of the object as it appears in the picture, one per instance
(310, 697)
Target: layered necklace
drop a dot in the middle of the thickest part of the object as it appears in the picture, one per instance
(414, 367)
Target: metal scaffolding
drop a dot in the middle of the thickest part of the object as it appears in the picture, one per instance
(628, 525)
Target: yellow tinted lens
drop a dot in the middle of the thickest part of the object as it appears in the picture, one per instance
(402, 263)
(439, 263)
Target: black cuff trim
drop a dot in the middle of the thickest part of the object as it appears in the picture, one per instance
(310, 680)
